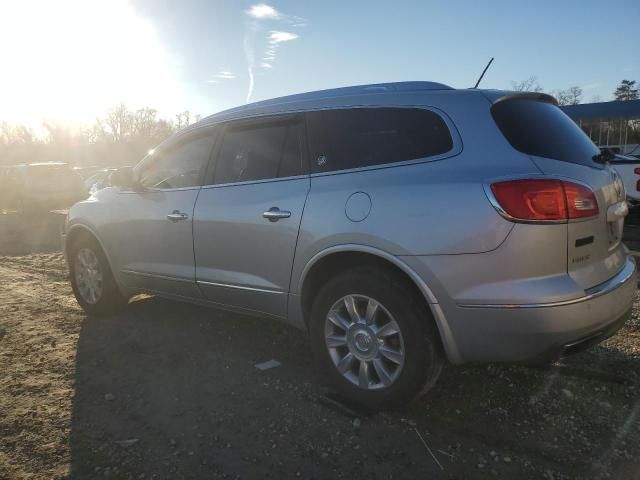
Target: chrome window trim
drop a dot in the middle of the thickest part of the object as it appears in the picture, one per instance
(622, 277)
(251, 182)
(157, 190)
(238, 287)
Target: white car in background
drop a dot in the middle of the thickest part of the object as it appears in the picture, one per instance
(628, 167)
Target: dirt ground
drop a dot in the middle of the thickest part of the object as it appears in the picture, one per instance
(166, 390)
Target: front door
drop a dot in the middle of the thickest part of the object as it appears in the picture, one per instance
(152, 232)
(246, 219)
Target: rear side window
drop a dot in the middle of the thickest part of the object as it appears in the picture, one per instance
(259, 151)
(362, 137)
(542, 129)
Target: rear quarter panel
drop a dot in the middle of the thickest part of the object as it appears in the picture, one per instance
(431, 207)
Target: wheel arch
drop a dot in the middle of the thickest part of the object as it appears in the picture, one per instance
(341, 257)
(79, 231)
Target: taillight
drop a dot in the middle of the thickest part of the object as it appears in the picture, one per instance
(581, 201)
(636, 171)
(638, 185)
(539, 200)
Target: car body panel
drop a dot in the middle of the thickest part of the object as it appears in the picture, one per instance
(159, 252)
(242, 258)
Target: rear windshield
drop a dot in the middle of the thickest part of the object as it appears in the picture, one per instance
(542, 129)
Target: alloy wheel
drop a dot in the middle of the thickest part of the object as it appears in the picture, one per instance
(88, 275)
(364, 342)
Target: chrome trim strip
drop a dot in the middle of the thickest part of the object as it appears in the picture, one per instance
(159, 277)
(594, 292)
(251, 182)
(238, 287)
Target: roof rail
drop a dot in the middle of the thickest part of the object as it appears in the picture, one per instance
(345, 91)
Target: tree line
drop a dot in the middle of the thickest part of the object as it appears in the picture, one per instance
(625, 91)
(121, 137)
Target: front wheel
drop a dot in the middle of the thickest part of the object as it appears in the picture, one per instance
(91, 279)
(374, 339)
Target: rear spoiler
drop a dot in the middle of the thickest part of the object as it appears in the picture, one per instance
(537, 96)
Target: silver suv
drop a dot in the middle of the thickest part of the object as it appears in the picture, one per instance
(400, 224)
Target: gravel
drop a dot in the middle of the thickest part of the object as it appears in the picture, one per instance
(168, 390)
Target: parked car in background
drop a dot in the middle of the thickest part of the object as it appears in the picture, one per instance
(98, 180)
(85, 171)
(39, 187)
(628, 167)
(399, 224)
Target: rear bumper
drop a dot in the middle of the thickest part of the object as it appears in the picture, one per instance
(533, 333)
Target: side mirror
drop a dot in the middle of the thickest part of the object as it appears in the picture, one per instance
(123, 178)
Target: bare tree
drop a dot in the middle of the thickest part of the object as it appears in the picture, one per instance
(115, 127)
(570, 96)
(562, 96)
(11, 134)
(59, 134)
(575, 95)
(528, 85)
(183, 119)
(146, 126)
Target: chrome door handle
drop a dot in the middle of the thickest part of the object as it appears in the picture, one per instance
(274, 214)
(176, 216)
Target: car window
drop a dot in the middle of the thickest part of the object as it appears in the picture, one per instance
(180, 166)
(361, 137)
(259, 151)
(542, 129)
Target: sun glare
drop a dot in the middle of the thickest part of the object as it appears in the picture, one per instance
(70, 60)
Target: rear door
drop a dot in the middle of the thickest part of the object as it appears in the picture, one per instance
(561, 149)
(247, 217)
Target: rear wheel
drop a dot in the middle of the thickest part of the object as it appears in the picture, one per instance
(374, 339)
(91, 278)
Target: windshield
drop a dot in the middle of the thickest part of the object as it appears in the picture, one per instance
(542, 129)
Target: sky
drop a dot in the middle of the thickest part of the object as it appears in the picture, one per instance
(71, 60)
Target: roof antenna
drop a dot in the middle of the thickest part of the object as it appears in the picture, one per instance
(483, 72)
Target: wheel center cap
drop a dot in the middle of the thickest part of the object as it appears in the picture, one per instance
(363, 341)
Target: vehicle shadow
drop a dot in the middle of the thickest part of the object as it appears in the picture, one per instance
(166, 376)
(169, 390)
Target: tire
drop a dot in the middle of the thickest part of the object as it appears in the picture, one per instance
(106, 297)
(417, 351)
